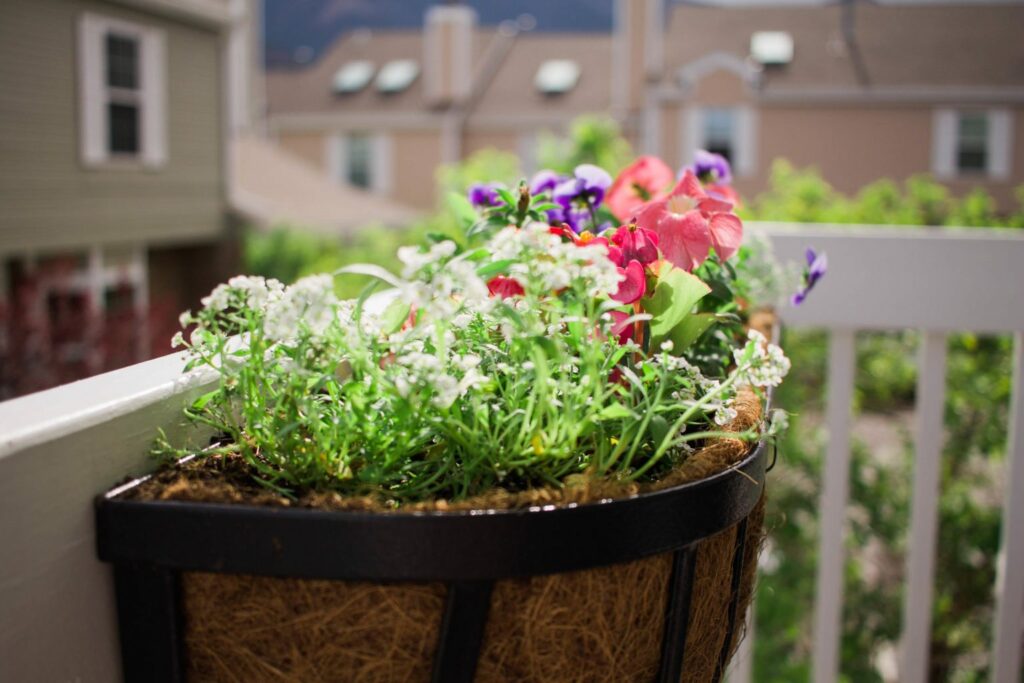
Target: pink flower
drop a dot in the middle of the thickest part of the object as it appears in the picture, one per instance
(645, 179)
(634, 287)
(689, 222)
(504, 287)
(636, 243)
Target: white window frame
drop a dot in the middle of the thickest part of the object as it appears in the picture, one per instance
(380, 160)
(945, 142)
(95, 95)
(744, 137)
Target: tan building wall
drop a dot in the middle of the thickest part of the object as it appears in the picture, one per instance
(416, 154)
(49, 200)
(309, 147)
(854, 146)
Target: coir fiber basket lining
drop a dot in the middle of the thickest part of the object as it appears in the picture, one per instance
(653, 586)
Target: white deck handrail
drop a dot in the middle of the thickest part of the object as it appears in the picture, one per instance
(60, 448)
(937, 281)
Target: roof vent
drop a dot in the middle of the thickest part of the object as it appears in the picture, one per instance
(353, 76)
(397, 75)
(771, 48)
(557, 76)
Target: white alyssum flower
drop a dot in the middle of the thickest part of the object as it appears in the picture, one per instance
(308, 304)
(415, 259)
(768, 364)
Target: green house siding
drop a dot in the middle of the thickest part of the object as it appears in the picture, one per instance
(48, 199)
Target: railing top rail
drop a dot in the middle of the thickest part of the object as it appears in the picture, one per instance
(895, 278)
(52, 414)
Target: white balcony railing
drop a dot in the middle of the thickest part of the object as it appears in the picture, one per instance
(60, 448)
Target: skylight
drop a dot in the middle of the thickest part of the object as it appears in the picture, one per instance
(353, 76)
(557, 76)
(771, 48)
(397, 75)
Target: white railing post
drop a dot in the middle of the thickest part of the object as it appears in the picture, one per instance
(920, 565)
(1009, 625)
(835, 490)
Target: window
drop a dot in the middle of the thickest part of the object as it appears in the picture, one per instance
(729, 131)
(771, 48)
(121, 72)
(972, 143)
(361, 159)
(353, 77)
(719, 132)
(358, 160)
(557, 76)
(397, 75)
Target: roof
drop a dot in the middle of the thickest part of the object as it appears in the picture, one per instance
(894, 47)
(271, 187)
(976, 45)
(510, 90)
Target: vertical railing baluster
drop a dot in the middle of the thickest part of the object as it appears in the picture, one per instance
(834, 492)
(920, 561)
(1006, 654)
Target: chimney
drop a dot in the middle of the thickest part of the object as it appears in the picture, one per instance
(637, 50)
(448, 54)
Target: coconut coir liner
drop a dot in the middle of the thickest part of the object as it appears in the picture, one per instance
(596, 625)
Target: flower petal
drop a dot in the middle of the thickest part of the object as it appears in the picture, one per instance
(634, 286)
(726, 234)
(684, 239)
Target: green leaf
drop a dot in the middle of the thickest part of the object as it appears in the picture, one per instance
(201, 402)
(674, 297)
(688, 331)
(506, 196)
(489, 270)
(616, 411)
(394, 316)
(370, 270)
(657, 428)
(463, 211)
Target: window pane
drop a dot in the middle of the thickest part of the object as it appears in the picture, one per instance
(124, 128)
(972, 143)
(720, 132)
(973, 127)
(122, 62)
(971, 160)
(358, 160)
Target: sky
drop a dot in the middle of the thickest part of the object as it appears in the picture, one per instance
(298, 31)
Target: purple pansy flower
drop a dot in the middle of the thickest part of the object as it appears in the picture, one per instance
(711, 168)
(575, 218)
(483, 195)
(544, 181)
(587, 187)
(817, 266)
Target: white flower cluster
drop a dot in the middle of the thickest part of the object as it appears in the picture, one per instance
(311, 303)
(768, 365)
(443, 290)
(415, 259)
(418, 370)
(256, 292)
(543, 257)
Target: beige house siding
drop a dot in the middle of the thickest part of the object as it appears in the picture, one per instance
(50, 201)
(309, 147)
(417, 154)
(854, 146)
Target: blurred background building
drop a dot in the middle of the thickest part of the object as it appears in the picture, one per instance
(857, 89)
(142, 139)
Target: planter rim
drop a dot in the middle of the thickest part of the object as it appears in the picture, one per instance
(424, 545)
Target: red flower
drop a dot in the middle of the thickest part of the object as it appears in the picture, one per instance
(505, 287)
(645, 179)
(620, 328)
(636, 243)
(634, 286)
(689, 222)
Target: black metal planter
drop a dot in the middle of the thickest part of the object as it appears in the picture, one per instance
(151, 542)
